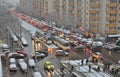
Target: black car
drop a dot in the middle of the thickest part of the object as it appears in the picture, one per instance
(15, 55)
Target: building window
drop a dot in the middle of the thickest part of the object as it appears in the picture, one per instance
(113, 1)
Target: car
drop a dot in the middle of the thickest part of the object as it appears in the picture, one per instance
(31, 63)
(61, 53)
(15, 55)
(5, 47)
(38, 55)
(23, 65)
(96, 55)
(37, 74)
(12, 65)
(22, 52)
(46, 53)
(12, 68)
(49, 66)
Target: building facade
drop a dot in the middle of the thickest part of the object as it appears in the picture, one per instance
(98, 16)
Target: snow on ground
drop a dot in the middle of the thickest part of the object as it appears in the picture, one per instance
(78, 68)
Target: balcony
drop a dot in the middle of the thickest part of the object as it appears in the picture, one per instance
(71, 9)
(94, 30)
(94, 17)
(112, 4)
(111, 11)
(63, 8)
(111, 31)
(70, 4)
(78, 4)
(94, 5)
(94, 24)
(111, 25)
(111, 18)
(78, 14)
(93, 11)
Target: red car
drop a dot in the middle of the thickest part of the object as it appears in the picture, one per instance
(22, 52)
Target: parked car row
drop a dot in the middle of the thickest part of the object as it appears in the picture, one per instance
(21, 63)
(49, 66)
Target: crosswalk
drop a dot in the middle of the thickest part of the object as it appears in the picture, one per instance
(56, 72)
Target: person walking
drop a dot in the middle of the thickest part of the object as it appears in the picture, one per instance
(82, 62)
(86, 61)
(61, 69)
(104, 68)
(89, 67)
(72, 68)
(98, 68)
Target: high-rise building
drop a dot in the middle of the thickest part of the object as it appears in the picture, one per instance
(98, 16)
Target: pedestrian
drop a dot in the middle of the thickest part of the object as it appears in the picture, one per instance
(72, 68)
(116, 72)
(61, 69)
(98, 68)
(104, 68)
(96, 60)
(89, 68)
(108, 65)
(86, 61)
(82, 62)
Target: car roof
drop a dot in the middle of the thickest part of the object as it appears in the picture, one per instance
(59, 50)
(12, 60)
(31, 60)
(37, 74)
(98, 53)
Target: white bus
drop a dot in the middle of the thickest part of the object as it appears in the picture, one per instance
(62, 43)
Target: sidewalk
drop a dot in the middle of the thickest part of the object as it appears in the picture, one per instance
(83, 71)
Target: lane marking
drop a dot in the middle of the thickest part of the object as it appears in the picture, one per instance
(44, 73)
(66, 71)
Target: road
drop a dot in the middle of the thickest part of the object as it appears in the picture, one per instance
(39, 64)
(29, 49)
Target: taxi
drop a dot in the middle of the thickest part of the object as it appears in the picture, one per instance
(48, 66)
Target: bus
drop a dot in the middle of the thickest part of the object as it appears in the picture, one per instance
(62, 43)
(112, 38)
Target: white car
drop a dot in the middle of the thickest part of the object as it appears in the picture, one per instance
(22, 64)
(31, 63)
(12, 65)
(37, 74)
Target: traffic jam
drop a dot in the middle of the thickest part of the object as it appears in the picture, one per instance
(65, 42)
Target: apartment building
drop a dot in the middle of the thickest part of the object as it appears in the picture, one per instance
(98, 16)
(26, 7)
(102, 16)
(12, 2)
(111, 22)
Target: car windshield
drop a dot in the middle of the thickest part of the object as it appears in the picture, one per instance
(49, 63)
